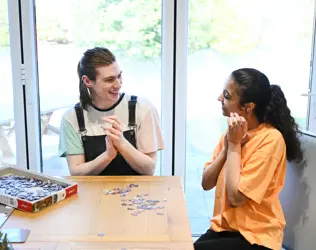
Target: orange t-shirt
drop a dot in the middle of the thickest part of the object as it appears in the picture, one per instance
(260, 220)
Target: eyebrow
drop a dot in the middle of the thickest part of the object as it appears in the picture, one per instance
(111, 77)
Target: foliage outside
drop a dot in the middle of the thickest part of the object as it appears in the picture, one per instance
(133, 27)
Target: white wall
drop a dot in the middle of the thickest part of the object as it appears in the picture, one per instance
(298, 198)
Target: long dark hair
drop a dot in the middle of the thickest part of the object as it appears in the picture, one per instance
(271, 107)
(88, 64)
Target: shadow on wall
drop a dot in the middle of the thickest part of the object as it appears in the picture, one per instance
(296, 200)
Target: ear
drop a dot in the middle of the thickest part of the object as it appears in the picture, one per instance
(249, 107)
(86, 81)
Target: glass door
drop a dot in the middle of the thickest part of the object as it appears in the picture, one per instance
(7, 124)
(65, 29)
(272, 36)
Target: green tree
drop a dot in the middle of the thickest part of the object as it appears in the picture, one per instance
(4, 25)
(130, 27)
(218, 25)
(133, 27)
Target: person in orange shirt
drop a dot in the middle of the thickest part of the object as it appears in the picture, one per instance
(248, 166)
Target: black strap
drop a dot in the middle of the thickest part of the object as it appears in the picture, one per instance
(132, 111)
(80, 118)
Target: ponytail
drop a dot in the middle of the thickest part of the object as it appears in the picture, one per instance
(84, 96)
(271, 107)
(279, 116)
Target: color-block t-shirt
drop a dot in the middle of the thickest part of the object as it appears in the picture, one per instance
(148, 132)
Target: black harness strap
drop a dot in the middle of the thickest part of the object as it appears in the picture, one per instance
(132, 111)
(81, 123)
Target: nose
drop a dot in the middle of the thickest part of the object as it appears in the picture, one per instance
(118, 83)
(220, 98)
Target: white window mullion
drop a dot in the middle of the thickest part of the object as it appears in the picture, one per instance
(311, 126)
(31, 85)
(181, 88)
(167, 71)
(18, 83)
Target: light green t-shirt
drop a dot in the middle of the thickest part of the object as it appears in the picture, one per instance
(69, 140)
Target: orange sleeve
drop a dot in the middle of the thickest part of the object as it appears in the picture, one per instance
(217, 150)
(258, 172)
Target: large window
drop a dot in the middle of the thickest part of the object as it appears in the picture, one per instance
(272, 36)
(150, 39)
(7, 125)
(65, 29)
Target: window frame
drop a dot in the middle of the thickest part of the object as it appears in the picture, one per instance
(311, 95)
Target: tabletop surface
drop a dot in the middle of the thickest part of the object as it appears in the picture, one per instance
(94, 217)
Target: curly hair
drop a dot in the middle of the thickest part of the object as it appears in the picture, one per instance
(271, 107)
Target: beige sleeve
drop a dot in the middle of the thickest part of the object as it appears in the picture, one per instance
(149, 137)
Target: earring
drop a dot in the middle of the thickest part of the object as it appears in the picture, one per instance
(88, 90)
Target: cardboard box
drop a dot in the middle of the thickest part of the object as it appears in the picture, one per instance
(35, 206)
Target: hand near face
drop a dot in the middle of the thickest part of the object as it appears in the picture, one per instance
(237, 129)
